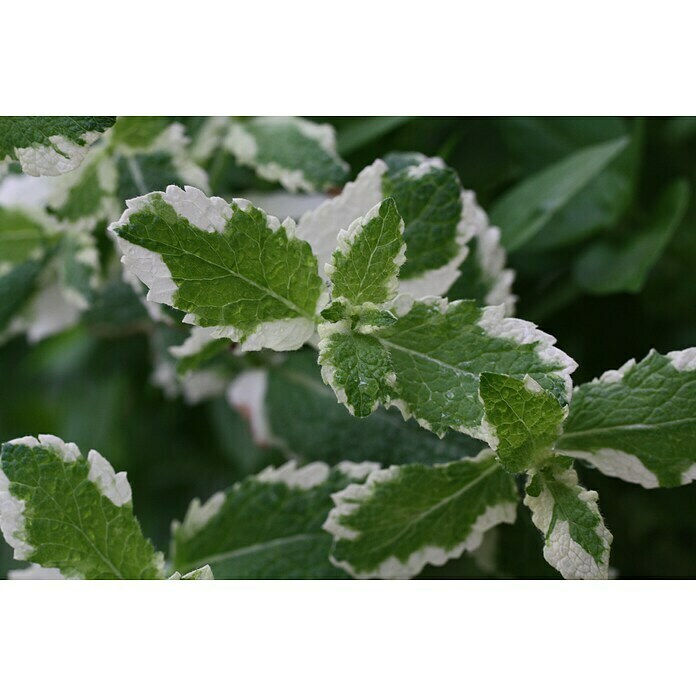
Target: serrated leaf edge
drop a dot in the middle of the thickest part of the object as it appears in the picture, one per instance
(110, 484)
(491, 257)
(623, 465)
(317, 228)
(560, 550)
(347, 238)
(290, 475)
(242, 144)
(437, 281)
(493, 321)
(62, 156)
(490, 431)
(349, 499)
(211, 215)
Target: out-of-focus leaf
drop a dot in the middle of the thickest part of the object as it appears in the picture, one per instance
(670, 293)
(600, 205)
(622, 265)
(299, 154)
(362, 131)
(524, 210)
(535, 142)
(680, 129)
(49, 145)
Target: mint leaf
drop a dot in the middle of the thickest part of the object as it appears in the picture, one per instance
(35, 572)
(204, 573)
(22, 236)
(61, 510)
(47, 276)
(429, 197)
(199, 350)
(78, 261)
(87, 196)
(267, 526)
(132, 160)
(50, 310)
(405, 517)
(540, 141)
(229, 267)
(523, 211)
(320, 227)
(138, 132)
(365, 266)
(622, 265)
(49, 145)
(638, 422)
(576, 540)
(483, 276)
(523, 420)
(428, 362)
(439, 218)
(198, 369)
(25, 249)
(298, 153)
(358, 368)
(289, 406)
(115, 308)
(155, 163)
(362, 130)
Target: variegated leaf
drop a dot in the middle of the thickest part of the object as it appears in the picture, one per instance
(440, 217)
(49, 145)
(429, 361)
(638, 423)
(405, 517)
(62, 510)
(576, 541)
(230, 267)
(267, 526)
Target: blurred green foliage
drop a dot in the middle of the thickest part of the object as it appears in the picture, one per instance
(604, 247)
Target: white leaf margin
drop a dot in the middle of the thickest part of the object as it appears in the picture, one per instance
(560, 550)
(624, 465)
(61, 156)
(243, 145)
(321, 227)
(493, 321)
(203, 573)
(491, 258)
(290, 474)
(350, 498)
(247, 395)
(347, 238)
(209, 214)
(36, 572)
(111, 485)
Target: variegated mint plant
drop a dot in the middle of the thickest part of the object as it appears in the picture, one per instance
(364, 331)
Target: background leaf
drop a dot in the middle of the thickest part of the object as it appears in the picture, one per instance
(622, 265)
(524, 210)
